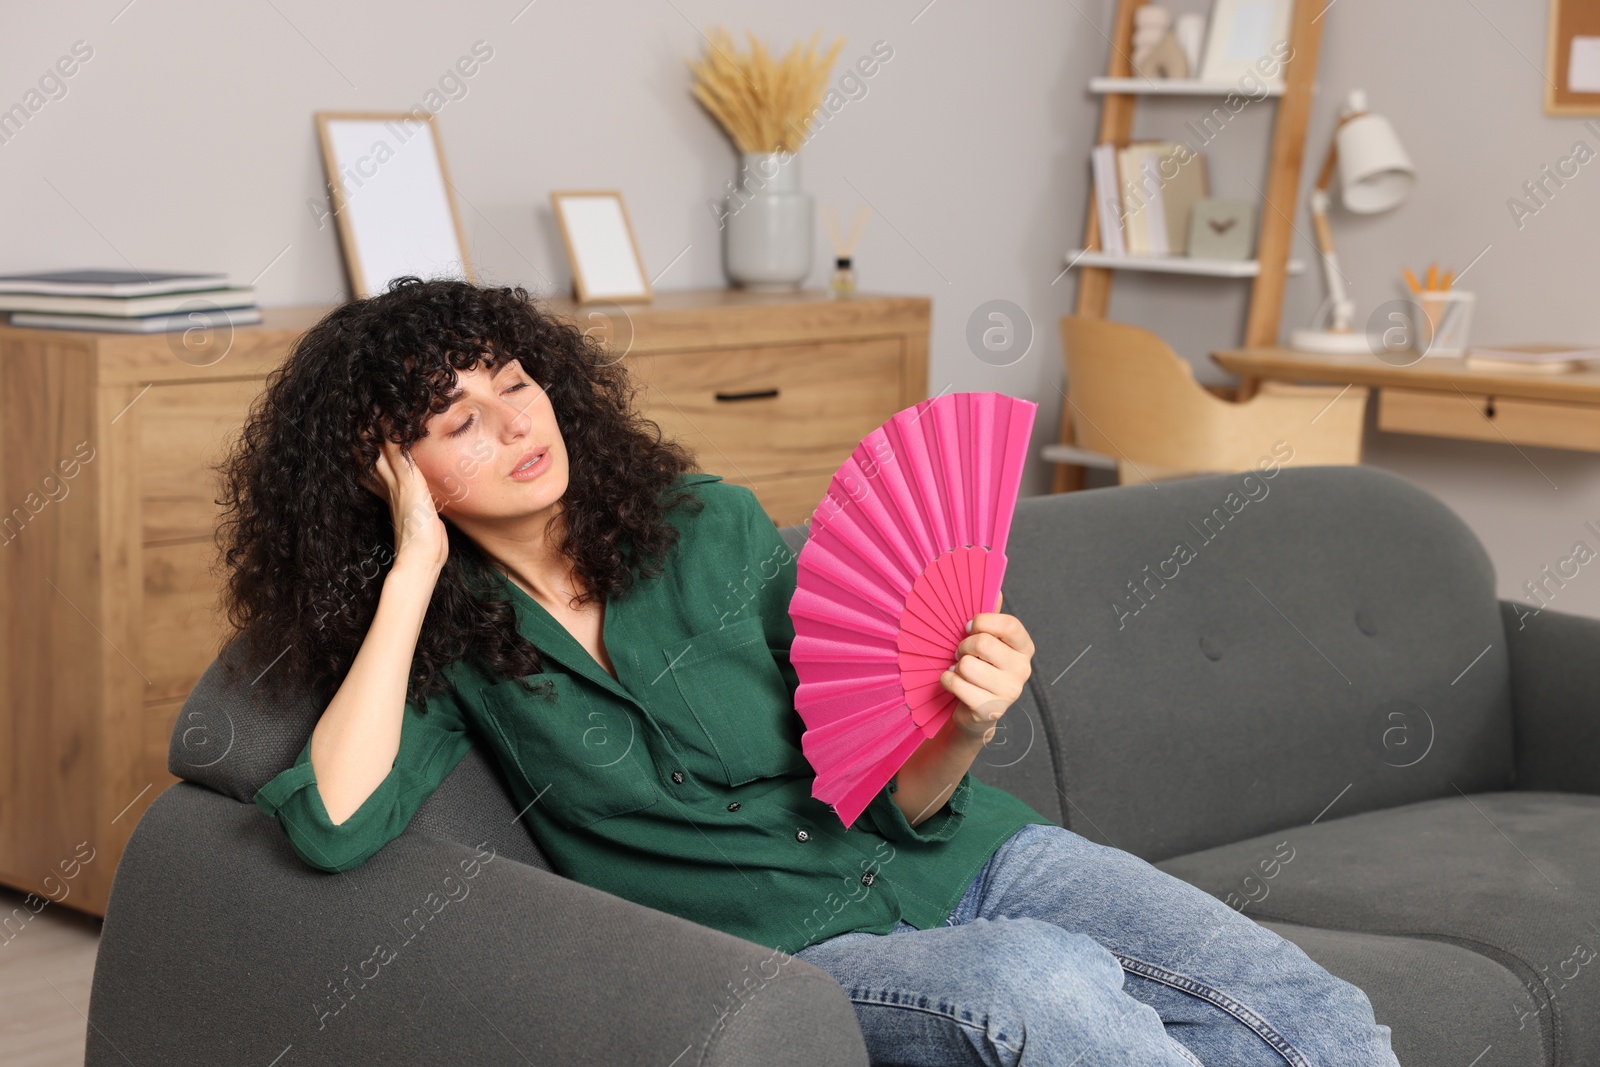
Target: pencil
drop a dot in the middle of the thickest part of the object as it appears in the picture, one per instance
(1433, 276)
(1411, 280)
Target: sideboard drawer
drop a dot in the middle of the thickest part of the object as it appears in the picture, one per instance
(748, 413)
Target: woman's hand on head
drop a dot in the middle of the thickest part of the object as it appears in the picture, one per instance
(420, 538)
(993, 663)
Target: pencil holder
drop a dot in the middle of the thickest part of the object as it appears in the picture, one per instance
(1442, 320)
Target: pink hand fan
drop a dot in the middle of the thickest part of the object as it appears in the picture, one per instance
(906, 547)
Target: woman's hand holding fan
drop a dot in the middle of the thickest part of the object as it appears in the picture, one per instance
(905, 549)
(996, 661)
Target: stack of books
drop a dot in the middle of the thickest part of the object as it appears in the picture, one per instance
(1539, 358)
(126, 301)
(1145, 194)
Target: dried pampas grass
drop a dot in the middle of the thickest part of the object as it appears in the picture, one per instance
(765, 106)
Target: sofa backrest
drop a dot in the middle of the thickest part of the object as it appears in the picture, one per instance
(1330, 644)
(1228, 655)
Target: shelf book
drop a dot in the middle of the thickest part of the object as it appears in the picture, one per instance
(1146, 192)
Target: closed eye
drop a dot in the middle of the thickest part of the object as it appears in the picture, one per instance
(459, 430)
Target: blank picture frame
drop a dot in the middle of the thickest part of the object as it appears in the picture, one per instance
(600, 246)
(391, 197)
(1572, 59)
(1241, 34)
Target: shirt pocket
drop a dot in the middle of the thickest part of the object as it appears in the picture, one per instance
(739, 698)
(588, 757)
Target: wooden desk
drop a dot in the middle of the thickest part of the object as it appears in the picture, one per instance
(106, 550)
(1442, 396)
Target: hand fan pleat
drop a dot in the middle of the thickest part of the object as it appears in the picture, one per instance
(907, 545)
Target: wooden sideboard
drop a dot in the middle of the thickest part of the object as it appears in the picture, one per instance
(107, 512)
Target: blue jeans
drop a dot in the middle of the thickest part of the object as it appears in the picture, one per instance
(1065, 952)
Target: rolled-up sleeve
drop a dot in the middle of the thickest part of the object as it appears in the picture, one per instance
(890, 822)
(431, 744)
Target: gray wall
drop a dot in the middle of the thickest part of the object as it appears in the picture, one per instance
(186, 142)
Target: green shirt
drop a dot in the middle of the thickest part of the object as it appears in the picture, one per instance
(680, 784)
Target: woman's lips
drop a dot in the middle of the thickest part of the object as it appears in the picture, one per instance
(541, 458)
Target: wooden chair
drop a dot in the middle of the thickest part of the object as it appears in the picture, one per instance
(1133, 398)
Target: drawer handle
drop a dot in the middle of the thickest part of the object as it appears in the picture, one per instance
(753, 395)
(1488, 407)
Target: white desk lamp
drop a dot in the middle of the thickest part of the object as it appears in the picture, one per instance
(1374, 175)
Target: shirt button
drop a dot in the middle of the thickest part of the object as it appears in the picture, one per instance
(868, 878)
(677, 776)
(734, 806)
(801, 835)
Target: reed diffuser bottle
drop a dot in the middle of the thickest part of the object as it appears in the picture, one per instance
(844, 277)
(844, 272)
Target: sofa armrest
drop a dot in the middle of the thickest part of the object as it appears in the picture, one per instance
(220, 945)
(1555, 698)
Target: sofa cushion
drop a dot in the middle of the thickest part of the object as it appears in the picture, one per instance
(1320, 627)
(1445, 1004)
(1513, 877)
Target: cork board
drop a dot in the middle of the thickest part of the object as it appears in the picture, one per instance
(1569, 20)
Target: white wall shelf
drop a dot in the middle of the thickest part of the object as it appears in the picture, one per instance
(1176, 87)
(1215, 268)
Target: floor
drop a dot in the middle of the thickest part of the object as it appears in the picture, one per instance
(46, 967)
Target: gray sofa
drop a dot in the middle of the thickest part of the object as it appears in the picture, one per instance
(1320, 713)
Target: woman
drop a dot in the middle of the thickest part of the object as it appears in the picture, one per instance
(541, 527)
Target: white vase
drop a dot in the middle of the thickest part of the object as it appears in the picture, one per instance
(767, 231)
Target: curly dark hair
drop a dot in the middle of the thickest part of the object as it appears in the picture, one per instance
(306, 547)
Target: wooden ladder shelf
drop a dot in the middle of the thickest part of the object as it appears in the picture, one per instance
(1275, 231)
